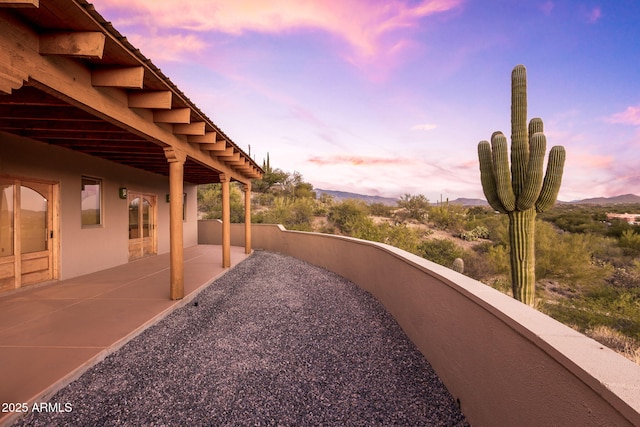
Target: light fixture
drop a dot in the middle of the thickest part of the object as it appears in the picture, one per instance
(122, 192)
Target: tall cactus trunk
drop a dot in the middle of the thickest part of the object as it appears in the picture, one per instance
(525, 190)
(522, 226)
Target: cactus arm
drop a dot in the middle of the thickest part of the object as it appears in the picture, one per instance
(486, 176)
(519, 139)
(533, 184)
(535, 126)
(501, 171)
(552, 179)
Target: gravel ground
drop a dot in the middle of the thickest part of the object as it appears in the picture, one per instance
(275, 341)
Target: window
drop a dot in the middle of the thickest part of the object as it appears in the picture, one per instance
(91, 201)
(184, 207)
(6, 218)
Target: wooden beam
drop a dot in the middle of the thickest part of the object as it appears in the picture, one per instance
(125, 77)
(82, 44)
(11, 78)
(226, 153)
(20, 3)
(176, 115)
(207, 138)
(197, 128)
(236, 163)
(218, 146)
(160, 100)
(234, 158)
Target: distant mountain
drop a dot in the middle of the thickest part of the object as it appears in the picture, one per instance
(616, 200)
(343, 195)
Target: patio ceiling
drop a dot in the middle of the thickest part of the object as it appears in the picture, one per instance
(34, 114)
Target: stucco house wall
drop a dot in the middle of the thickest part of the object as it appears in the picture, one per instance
(90, 249)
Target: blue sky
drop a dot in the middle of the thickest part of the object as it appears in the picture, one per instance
(392, 97)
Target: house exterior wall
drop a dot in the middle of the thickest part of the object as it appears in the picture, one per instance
(90, 249)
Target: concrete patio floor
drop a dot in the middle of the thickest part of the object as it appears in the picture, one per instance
(51, 334)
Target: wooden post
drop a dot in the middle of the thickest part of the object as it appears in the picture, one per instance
(247, 217)
(226, 222)
(176, 161)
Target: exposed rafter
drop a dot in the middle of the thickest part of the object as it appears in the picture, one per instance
(176, 115)
(159, 100)
(124, 77)
(80, 44)
(20, 3)
(197, 128)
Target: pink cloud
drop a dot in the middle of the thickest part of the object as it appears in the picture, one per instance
(370, 29)
(337, 160)
(586, 161)
(630, 116)
(168, 48)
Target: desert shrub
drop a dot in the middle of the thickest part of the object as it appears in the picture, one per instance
(448, 216)
(616, 308)
(498, 259)
(380, 209)
(578, 222)
(618, 227)
(617, 341)
(349, 215)
(417, 207)
(479, 232)
(476, 265)
(367, 230)
(567, 257)
(293, 214)
(630, 241)
(302, 213)
(441, 251)
(401, 237)
(210, 202)
(498, 226)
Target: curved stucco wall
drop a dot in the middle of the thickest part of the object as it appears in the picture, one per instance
(507, 363)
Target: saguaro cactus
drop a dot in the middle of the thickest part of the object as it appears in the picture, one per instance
(523, 191)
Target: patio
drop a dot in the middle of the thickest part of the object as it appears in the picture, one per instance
(50, 334)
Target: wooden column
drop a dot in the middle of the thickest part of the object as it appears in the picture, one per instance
(247, 217)
(176, 161)
(226, 222)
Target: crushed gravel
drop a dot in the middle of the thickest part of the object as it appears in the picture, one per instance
(274, 342)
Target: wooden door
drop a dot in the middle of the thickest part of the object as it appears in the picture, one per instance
(26, 232)
(142, 225)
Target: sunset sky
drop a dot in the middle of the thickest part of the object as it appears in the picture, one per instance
(392, 97)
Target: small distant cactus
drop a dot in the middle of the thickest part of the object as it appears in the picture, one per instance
(523, 190)
(458, 265)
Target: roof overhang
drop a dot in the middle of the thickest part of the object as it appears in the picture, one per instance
(69, 79)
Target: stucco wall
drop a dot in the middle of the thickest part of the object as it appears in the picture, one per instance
(507, 363)
(85, 250)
